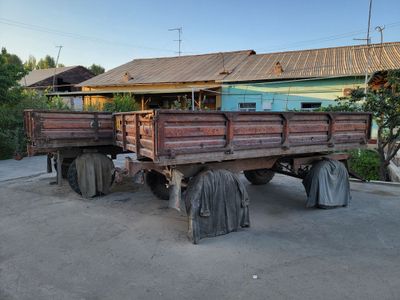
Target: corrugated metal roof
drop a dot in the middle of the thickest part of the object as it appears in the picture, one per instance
(191, 68)
(36, 76)
(326, 62)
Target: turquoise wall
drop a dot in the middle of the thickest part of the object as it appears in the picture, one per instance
(281, 96)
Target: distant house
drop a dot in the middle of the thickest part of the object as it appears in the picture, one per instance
(306, 79)
(244, 80)
(65, 80)
(159, 82)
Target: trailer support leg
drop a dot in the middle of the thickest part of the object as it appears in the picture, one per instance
(175, 199)
(59, 167)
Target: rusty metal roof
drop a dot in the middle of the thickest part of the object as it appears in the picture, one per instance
(326, 62)
(191, 68)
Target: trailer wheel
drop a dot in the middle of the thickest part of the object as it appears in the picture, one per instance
(65, 166)
(158, 184)
(258, 177)
(72, 177)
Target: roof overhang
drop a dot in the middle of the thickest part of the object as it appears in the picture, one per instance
(135, 92)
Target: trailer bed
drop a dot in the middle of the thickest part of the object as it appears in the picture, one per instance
(169, 137)
(49, 131)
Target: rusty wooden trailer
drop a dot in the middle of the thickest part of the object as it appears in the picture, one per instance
(168, 141)
(259, 143)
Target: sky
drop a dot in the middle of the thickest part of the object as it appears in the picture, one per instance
(111, 33)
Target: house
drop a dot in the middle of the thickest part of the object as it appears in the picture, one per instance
(306, 79)
(64, 79)
(244, 80)
(159, 82)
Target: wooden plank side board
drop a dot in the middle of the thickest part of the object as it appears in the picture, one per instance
(233, 134)
(61, 129)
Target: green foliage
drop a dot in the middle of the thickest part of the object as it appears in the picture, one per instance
(57, 103)
(14, 99)
(46, 62)
(30, 64)
(349, 104)
(96, 69)
(365, 163)
(12, 138)
(11, 122)
(122, 102)
(183, 103)
(92, 107)
(43, 63)
(11, 71)
(384, 104)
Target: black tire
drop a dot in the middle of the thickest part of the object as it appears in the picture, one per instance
(259, 177)
(65, 166)
(72, 177)
(158, 184)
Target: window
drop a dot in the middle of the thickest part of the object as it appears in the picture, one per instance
(310, 105)
(247, 106)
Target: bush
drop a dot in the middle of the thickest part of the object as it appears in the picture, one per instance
(122, 102)
(365, 163)
(12, 136)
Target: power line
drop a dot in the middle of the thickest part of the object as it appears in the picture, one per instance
(322, 39)
(33, 27)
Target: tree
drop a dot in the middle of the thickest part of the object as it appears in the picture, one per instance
(11, 71)
(96, 69)
(384, 104)
(30, 64)
(13, 100)
(46, 63)
(385, 107)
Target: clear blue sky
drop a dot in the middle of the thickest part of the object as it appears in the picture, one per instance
(111, 33)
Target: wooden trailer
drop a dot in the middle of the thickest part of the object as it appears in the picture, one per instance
(168, 142)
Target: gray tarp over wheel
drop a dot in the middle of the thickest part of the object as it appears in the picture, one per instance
(216, 203)
(94, 174)
(327, 184)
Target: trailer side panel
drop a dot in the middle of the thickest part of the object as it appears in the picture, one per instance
(48, 131)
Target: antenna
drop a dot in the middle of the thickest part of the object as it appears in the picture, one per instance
(179, 40)
(55, 69)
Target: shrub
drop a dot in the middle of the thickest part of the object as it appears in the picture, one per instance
(365, 163)
(122, 102)
(12, 136)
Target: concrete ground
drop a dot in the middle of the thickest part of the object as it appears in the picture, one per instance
(29, 166)
(128, 245)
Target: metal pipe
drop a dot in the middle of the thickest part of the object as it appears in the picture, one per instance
(192, 98)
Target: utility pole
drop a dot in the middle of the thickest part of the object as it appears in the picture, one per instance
(179, 40)
(55, 69)
(380, 29)
(368, 52)
(368, 40)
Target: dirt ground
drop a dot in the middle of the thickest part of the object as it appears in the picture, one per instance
(128, 245)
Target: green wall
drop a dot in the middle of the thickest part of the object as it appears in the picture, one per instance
(286, 95)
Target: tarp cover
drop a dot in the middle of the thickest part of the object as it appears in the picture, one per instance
(216, 203)
(95, 173)
(327, 184)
